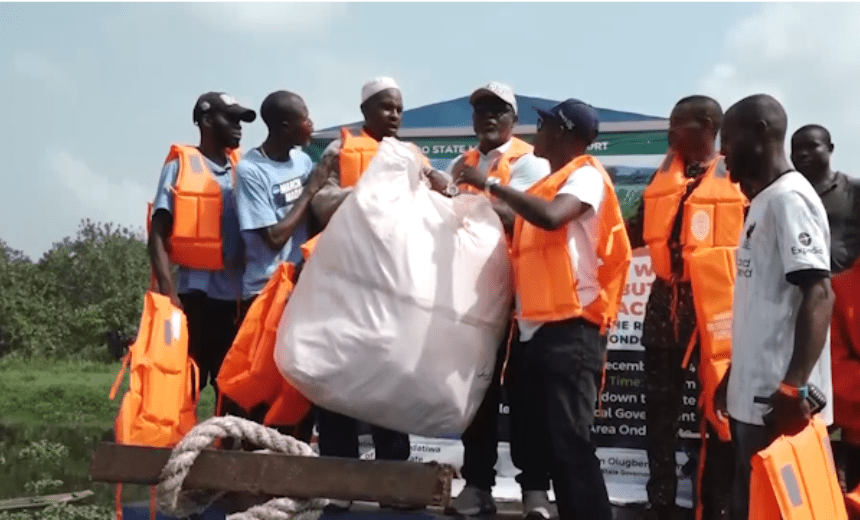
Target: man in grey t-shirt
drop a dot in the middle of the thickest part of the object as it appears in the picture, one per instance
(811, 148)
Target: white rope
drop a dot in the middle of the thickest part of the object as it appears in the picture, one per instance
(174, 501)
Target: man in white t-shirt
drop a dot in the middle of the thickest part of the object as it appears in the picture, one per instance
(783, 299)
(557, 357)
(501, 155)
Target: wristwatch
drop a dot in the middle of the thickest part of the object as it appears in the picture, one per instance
(490, 182)
(452, 190)
(797, 392)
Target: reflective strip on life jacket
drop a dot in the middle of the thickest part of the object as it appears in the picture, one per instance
(795, 478)
(544, 277)
(195, 241)
(500, 169)
(160, 406)
(248, 375)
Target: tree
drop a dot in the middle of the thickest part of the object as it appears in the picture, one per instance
(79, 291)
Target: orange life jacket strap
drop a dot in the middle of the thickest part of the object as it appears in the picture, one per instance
(691, 346)
(219, 404)
(195, 388)
(700, 470)
(153, 501)
(511, 331)
(126, 359)
(117, 501)
(602, 384)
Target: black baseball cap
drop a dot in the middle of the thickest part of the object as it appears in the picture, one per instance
(575, 116)
(221, 102)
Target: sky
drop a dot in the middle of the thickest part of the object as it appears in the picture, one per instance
(95, 93)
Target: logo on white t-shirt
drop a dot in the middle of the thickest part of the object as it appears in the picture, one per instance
(744, 267)
(749, 232)
(805, 241)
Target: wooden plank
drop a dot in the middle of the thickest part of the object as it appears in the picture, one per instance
(44, 500)
(412, 483)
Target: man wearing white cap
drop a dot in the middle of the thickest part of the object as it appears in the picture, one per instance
(382, 107)
(510, 160)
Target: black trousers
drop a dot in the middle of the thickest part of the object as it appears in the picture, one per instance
(553, 383)
(481, 438)
(848, 463)
(338, 437)
(212, 327)
(748, 439)
(665, 335)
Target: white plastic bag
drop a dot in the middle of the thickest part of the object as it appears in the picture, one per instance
(398, 315)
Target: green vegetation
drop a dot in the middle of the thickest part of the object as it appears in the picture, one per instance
(64, 305)
(52, 415)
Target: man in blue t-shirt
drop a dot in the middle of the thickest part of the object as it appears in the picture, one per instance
(275, 184)
(208, 298)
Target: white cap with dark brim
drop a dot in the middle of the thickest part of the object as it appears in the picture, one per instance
(495, 89)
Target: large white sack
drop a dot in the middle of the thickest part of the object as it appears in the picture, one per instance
(398, 314)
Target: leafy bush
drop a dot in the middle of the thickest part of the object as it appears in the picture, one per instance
(80, 291)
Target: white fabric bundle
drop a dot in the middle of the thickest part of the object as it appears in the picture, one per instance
(399, 312)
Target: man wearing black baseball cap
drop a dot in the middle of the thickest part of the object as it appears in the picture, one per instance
(210, 267)
(571, 258)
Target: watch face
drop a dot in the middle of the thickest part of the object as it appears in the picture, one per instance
(451, 190)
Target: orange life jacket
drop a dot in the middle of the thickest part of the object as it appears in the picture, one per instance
(197, 207)
(794, 478)
(712, 221)
(502, 168)
(160, 405)
(309, 246)
(716, 200)
(356, 152)
(845, 353)
(545, 281)
(248, 375)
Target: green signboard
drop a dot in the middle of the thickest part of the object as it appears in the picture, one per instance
(620, 143)
(630, 176)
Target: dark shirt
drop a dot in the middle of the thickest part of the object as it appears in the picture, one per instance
(841, 200)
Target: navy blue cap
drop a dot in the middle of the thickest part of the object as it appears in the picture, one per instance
(576, 116)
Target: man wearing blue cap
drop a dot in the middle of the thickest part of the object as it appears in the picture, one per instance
(571, 257)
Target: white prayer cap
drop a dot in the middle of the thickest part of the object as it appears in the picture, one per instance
(375, 86)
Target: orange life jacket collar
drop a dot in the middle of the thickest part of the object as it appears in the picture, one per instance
(500, 169)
